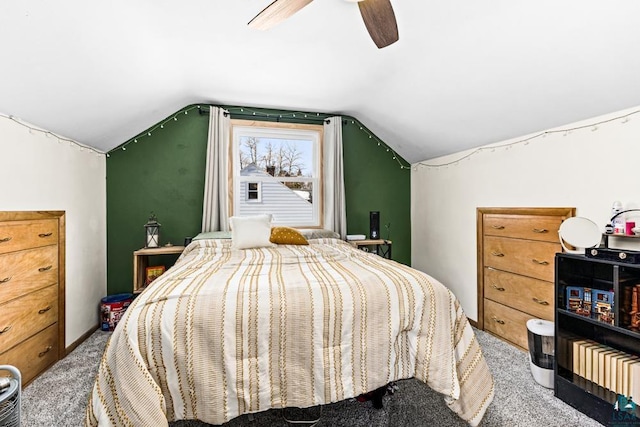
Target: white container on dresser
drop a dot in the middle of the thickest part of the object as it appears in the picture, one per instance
(32, 260)
(516, 253)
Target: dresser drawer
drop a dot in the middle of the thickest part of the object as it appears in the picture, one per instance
(27, 315)
(34, 355)
(506, 322)
(26, 271)
(533, 259)
(532, 296)
(19, 235)
(532, 227)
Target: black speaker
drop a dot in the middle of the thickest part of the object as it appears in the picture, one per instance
(374, 225)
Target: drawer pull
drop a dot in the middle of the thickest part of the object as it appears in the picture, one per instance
(540, 230)
(6, 329)
(5, 280)
(6, 239)
(45, 351)
(495, 319)
(43, 235)
(498, 254)
(540, 301)
(43, 269)
(498, 288)
(44, 310)
(540, 262)
(498, 227)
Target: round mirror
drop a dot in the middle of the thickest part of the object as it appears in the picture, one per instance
(580, 233)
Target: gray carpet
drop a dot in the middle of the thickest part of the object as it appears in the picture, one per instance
(59, 396)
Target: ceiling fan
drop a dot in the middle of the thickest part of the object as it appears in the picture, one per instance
(378, 17)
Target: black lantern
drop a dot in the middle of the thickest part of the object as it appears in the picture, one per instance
(153, 232)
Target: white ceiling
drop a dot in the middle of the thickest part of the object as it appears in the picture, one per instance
(463, 74)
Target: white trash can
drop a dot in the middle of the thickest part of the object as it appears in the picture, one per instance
(541, 350)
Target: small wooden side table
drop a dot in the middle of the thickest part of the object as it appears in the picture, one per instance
(383, 247)
(141, 262)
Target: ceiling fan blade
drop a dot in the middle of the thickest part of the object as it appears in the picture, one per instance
(380, 21)
(277, 12)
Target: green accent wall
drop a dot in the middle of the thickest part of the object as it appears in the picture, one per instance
(374, 181)
(163, 173)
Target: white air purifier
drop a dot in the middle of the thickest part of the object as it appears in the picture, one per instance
(10, 388)
(541, 351)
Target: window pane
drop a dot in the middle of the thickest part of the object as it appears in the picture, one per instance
(288, 202)
(277, 157)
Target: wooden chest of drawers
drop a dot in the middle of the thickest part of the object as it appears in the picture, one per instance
(31, 290)
(516, 252)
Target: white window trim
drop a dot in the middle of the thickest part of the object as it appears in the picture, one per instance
(278, 130)
(257, 190)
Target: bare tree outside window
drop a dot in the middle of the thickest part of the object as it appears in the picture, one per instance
(285, 158)
(249, 151)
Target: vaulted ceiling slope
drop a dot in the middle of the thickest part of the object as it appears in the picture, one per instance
(464, 73)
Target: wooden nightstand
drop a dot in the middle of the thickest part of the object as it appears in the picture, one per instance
(382, 247)
(141, 262)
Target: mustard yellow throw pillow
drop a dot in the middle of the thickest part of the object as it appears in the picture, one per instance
(287, 236)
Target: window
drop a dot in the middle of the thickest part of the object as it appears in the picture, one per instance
(253, 192)
(277, 170)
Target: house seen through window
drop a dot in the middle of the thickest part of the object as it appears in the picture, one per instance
(277, 170)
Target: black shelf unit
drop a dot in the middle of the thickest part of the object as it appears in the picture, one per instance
(584, 395)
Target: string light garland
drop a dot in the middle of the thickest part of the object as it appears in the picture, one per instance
(403, 165)
(50, 134)
(593, 127)
(261, 114)
(301, 115)
(149, 132)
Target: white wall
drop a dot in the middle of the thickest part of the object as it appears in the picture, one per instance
(40, 172)
(586, 168)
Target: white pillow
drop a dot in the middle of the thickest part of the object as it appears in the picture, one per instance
(250, 231)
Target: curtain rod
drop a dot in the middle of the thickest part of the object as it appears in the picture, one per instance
(274, 118)
(270, 117)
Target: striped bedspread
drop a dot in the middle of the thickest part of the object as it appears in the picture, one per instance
(226, 332)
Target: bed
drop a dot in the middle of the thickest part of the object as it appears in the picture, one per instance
(229, 331)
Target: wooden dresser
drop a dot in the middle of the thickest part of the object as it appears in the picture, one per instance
(32, 260)
(516, 252)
